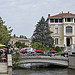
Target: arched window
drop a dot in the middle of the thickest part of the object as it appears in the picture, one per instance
(68, 29)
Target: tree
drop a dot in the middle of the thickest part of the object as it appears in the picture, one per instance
(38, 46)
(42, 34)
(5, 33)
(14, 36)
(21, 36)
(20, 45)
(57, 48)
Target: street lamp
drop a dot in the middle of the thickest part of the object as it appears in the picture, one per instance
(8, 46)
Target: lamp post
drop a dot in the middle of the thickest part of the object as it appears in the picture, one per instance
(8, 46)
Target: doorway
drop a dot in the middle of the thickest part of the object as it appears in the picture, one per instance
(68, 41)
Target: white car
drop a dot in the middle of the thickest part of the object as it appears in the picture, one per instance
(29, 49)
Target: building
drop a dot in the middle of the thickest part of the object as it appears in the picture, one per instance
(22, 40)
(63, 27)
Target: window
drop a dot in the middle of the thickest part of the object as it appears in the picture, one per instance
(52, 20)
(68, 19)
(60, 20)
(68, 29)
(56, 41)
(56, 30)
(56, 20)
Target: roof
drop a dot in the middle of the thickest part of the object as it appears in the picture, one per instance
(19, 39)
(64, 15)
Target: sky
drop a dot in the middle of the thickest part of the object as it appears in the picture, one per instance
(23, 15)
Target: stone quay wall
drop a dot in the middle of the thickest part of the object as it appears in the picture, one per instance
(6, 67)
(71, 62)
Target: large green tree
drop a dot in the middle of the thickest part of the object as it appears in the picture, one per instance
(42, 34)
(5, 33)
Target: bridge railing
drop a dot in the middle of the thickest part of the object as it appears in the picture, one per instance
(62, 61)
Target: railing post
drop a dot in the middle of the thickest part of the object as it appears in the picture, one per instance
(9, 56)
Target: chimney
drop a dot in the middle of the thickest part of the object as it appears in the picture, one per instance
(62, 11)
(48, 15)
(68, 12)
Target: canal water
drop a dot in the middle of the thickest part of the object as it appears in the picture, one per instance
(45, 71)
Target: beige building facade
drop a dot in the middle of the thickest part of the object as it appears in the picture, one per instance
(22, 40)
(63, 27)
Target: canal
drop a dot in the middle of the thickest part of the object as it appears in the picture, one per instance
(45, 71)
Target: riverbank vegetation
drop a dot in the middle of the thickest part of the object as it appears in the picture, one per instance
(16, 59)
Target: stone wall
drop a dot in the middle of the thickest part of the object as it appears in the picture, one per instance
(3, 68)
(6, 67)
(72, 61)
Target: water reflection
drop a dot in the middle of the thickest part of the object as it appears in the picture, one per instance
(71, 72)
(45, 71)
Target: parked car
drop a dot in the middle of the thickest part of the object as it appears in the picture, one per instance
(29, 49)
(65, 53)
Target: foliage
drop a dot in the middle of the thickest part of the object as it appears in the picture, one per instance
(50, 49)
(38, 46)
(14, 36)
(42, 34)
(21, 36)
(16, 58)
(20, 45)
(57, 48)
(5, 32)
(57, 54)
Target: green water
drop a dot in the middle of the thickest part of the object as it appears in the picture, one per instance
(45, 71)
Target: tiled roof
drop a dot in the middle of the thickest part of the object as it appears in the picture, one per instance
(64, 14)
(19, 39)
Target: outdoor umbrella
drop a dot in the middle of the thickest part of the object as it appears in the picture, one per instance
(1, 45)
(4, 48)
(39, 51)
(53, 51)
(23, 51)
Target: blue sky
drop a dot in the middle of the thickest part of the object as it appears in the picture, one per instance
(23, 15)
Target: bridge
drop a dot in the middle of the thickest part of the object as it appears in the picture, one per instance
(55, 60)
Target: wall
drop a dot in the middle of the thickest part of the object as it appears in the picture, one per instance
(6, 67)
(3, 67)
(52, 29)
(61, 35)
(72, 61)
